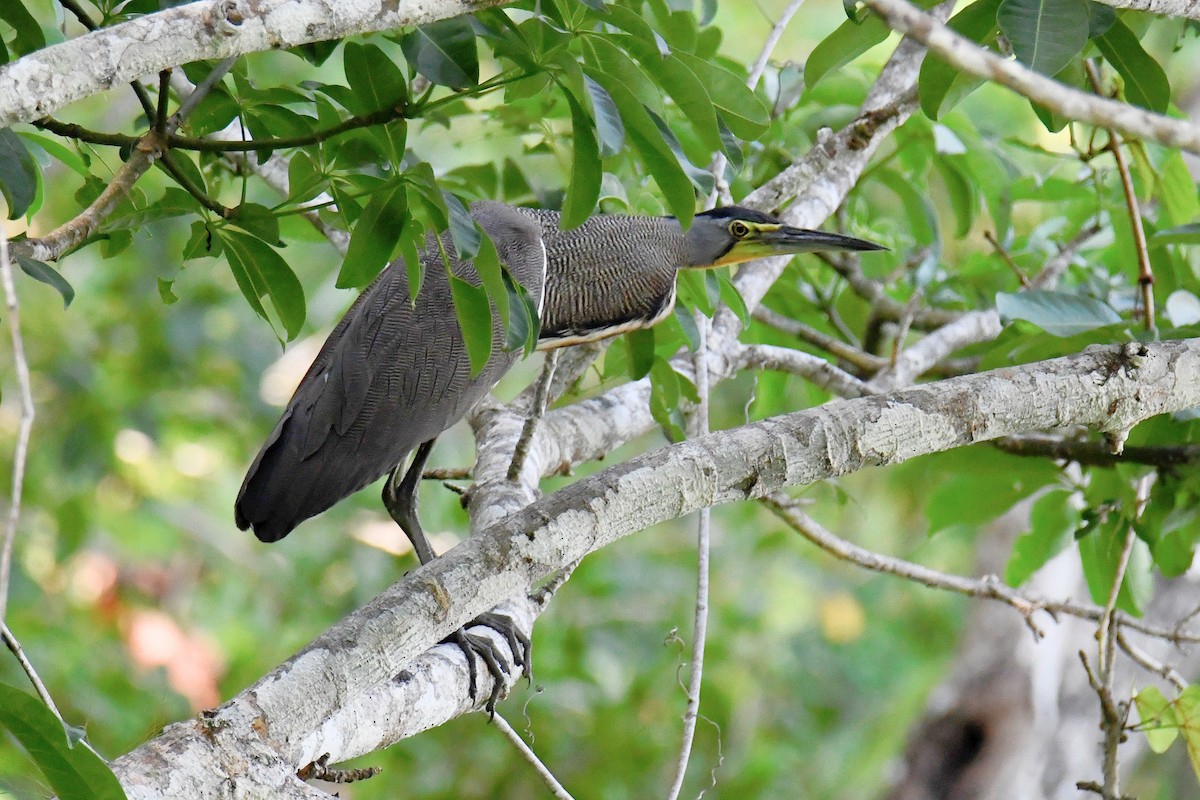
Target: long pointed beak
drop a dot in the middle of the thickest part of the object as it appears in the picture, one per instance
(786, 240)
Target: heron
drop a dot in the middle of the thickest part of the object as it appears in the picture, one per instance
(395, 373)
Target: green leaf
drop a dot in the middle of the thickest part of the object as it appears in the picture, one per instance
(1180, 234)
(1045, 34)
(701, 178)
(848, 42)
(257, 219)
(1156, 718)
(1100, 18)
(640, 344)
(738, 105)
(45, 273)
(731, 297)
(991, 491)
(175, 202)
(1146, 84)
(1187, 712)
(261, 272)
(470, 241)
(922, 219)
(677, 80)
(18, 173)
(373, 240)
(1052, 525)
(375, 81)
(523, 322)
(687, 323)
(474, 319)
(444, 52)
(941, 86)
(166, 291)
(75, 773)
(609, 129)
(29, 36)
(1177, 191)
(1100, 548)
(648, 141)
(664, 397)
(55, 149)
(964, 200)
(1057, 313)
(583, 190)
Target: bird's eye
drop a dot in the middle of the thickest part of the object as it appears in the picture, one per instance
(738, 228)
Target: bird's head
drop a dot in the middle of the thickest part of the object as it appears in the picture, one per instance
(731, 235)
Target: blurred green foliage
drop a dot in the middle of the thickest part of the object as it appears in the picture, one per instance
(138, 600)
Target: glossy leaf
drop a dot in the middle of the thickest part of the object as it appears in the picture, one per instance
(474, 319)
(849, 41)
(739, 107)
(646, 138)
(29, 36)
(444, 52)
(257, 219)
(1045, 34)
(1146, 83)
(261, 272)
(640, 344)
(677, 80)
(1057, 313)
(18, 173)
(701, 178)
(610, 131)
(45, 273)
(583, 189)
(74, 772)
(375, 81)
(523, 322)
(470, 241)
(373, 240)
(941, 86)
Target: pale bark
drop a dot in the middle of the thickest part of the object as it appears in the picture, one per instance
(1063, 100)
(1108, 388)
(43, 82)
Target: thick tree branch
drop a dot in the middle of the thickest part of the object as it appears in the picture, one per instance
(1063, 100)
(40, 83)
(1110, 388)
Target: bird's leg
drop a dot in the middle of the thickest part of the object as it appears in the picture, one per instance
(400, 499)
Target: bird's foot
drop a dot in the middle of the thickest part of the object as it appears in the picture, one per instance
(483, 646)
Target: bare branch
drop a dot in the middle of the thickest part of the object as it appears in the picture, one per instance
(21, 450)
(514, 738)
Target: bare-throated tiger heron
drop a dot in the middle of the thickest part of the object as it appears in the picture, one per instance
(394, 374)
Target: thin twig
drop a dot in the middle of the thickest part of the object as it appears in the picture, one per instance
(164, 96)
(691, 712)
(21, 451)
(1145, 271)
(721, 191)
(552, 783)
(860, 359)
(143, 155)
(1055, 267)
(540, 398)
(1097, 453)
(1149, 663)
(1002, 251)
(988, 587)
